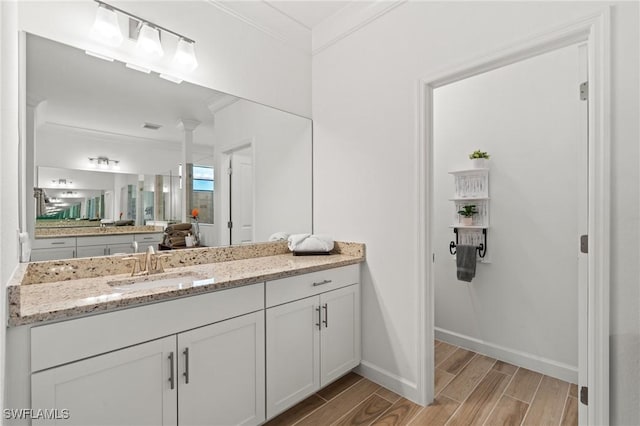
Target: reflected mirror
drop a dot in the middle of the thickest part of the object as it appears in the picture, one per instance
(106, 145)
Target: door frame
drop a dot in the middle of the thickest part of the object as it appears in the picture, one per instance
(594, 30)
(225, 153)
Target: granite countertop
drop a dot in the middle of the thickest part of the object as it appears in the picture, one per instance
(42, 233)
(45, 291)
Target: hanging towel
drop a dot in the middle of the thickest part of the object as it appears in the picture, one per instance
(466, 262)
(308, 243)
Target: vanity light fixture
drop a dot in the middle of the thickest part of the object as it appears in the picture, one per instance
(185, 57)
(104, 163)
(149, 41)
(107, 29)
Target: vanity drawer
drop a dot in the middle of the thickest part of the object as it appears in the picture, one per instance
(305, 285)
(107, 239)
(149, 238)
(45, 243)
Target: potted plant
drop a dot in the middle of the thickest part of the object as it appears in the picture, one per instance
(467, 213)
(479, 159)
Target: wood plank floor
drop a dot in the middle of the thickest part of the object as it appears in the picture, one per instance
(471, 389)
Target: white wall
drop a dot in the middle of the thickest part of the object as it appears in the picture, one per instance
(9, 160)
(364, 110)
(282, 165)
(522, 307)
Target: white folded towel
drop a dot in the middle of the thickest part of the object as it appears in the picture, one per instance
(310, 243)
(279, 236)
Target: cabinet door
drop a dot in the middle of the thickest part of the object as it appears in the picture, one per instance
(340, 337)
(92, 251)
(222, 373)
(120, 248)
(293, 353)
(130, 386)
(53, 254)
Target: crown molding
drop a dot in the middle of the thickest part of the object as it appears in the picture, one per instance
(269, 21)
(348, 20)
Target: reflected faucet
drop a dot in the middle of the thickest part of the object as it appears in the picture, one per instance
(152, 263)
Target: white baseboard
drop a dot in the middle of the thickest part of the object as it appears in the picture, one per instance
(542, 365)
(393, 382)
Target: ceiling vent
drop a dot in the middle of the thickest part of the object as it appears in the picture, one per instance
(151, 126)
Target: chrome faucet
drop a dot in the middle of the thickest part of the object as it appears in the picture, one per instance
(152, 263)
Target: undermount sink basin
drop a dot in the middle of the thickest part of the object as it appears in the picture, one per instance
(147, 282)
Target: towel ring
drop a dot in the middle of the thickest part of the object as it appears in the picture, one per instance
(482, 248)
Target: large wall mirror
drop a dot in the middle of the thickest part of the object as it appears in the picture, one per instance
(105, 144)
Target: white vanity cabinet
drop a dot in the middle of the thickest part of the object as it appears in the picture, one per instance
(104, 245)
(313, 333)
(53, 249)
(144, 241)
(211, 372)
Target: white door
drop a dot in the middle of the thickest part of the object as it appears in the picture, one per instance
(221, 373)
(241, 194)
(340, 336)
(127, 387)
(529, 302)
(293, 353)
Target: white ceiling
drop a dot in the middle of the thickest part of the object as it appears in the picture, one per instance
(308, 13)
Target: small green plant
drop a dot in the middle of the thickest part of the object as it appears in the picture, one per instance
(468, 211)
(478, 154)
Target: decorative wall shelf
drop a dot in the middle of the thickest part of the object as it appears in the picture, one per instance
(471, 187)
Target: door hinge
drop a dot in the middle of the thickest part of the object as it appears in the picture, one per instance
(584, 244)
(584, 91)
(584, 395)
(229, 224)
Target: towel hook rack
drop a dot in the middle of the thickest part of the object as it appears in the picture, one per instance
(482, 248)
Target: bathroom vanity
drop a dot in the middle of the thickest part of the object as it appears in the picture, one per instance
(225, 330)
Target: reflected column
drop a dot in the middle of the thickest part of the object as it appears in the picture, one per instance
(188, 125)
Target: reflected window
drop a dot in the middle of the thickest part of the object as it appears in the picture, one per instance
(202, 194)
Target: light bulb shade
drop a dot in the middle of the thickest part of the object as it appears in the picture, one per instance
(106, 28)
(149, 41)
(185, 57)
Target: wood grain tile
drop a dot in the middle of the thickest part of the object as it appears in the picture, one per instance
(297, 412)
(443, 351)
(478, 406)
(456, 361)
(548, 405)
(468, 378)
(573, 390)
(570, 415)
(388, 395)
(398, 414)
(339, 386)
(369, 410)
(442, 379)
(340, 406)
(505, 368)
(508, 411)
(437, 413)
(524, 385)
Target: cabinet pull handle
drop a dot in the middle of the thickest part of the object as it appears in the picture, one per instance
(326, 315)
(56, 243)
(319, 323)
(74, 253)
(172, 379)
(323, 282)
(186, 365)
